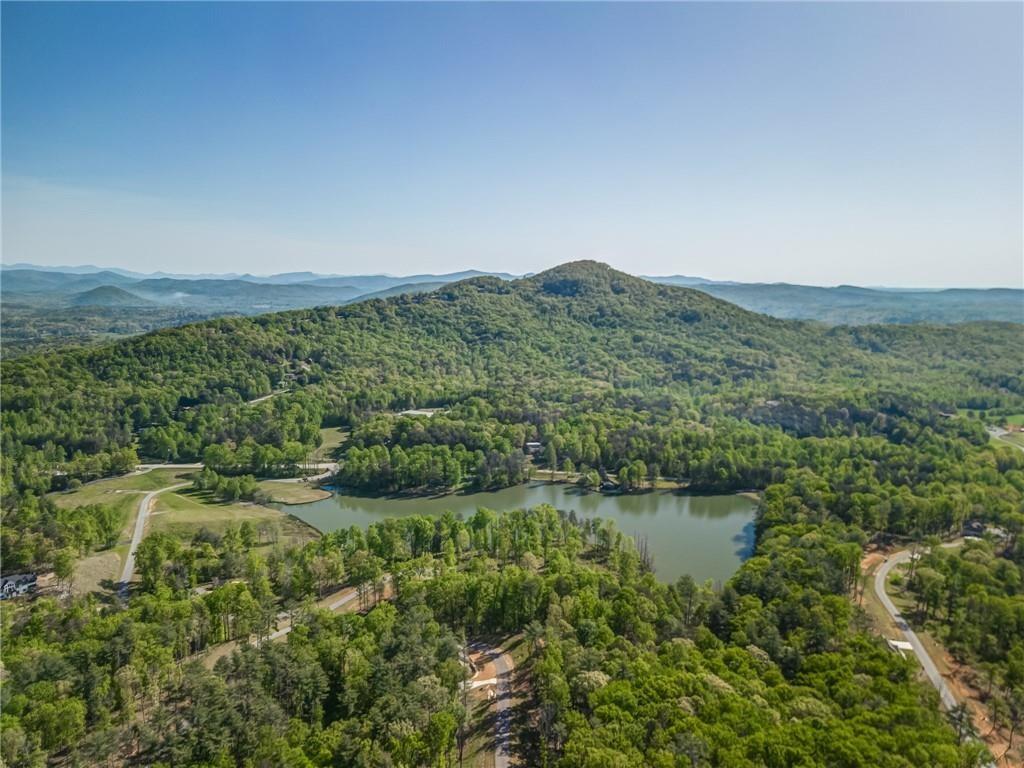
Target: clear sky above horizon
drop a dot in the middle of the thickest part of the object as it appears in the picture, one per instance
(873, 144)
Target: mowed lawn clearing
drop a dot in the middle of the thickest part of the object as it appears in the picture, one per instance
(123, 493)
(285, 492)
(183, 513)
(332, 438)
(1017, 438)
(100, 570)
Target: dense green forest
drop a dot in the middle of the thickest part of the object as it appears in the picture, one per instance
(33, 329)
(49, 309)
(852, 434)
(975, 597)
(608, 361)
(625, 670)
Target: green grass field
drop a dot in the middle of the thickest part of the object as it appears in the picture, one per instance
(185, 512)
(1013, 419)
(1016, 438)
(180, 514)
(123, 493)
(332, 438)
(292, 493)
(94, 572)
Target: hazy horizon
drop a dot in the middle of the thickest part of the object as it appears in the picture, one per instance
(215, 274)
(817, 144)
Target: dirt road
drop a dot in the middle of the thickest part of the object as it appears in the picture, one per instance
(494, 665)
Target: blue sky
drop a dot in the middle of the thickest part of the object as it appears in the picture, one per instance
(816, 143)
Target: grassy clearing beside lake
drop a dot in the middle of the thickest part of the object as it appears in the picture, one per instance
(1016, 438)
(1012, 438)
(185, 512)
(282, 492)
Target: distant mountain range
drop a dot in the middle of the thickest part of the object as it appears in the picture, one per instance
(377, 282)
(45, 307)
(109, 296)
(852, 305)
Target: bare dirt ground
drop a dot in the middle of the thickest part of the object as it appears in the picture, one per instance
(968, 687)
(479, 752)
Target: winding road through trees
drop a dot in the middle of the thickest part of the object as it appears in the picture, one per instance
(881, 576)
(1000, 434)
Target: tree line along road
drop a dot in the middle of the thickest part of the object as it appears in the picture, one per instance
(930, 670)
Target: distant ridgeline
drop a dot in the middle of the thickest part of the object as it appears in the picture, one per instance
(46, 309)
(580, 344)
(850, 433)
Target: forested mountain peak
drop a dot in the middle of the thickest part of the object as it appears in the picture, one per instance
(587, 278)
(108, 296)
(595, 294)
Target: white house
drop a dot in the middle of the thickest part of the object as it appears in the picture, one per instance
(17, 585)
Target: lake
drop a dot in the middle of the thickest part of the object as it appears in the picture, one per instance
(704, 536)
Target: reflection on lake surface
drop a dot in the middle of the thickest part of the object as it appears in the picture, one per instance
(704, 536)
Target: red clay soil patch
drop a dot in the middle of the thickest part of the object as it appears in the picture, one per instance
(962, 680)
(874, 554)
(870, 560)
(483, 665)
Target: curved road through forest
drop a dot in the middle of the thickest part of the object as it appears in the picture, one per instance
(881, 575)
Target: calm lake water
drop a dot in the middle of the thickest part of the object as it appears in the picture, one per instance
(704, 536)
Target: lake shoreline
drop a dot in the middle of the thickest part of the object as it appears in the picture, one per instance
(411, 495)
(704, 535)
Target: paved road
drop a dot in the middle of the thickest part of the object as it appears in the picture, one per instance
(265, 397)
(999, 433)
(140, 529)
(881, 575)
(345, 596)
(142, 469)
(325, 469)
(503, 667)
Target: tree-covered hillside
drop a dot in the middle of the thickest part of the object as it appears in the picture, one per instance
(851, 434)
(579, 334)
(45, 310)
